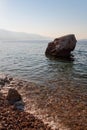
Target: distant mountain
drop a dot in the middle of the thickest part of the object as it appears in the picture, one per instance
(19, 36)
(82, 41)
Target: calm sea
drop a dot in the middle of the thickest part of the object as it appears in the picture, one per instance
(27, 60)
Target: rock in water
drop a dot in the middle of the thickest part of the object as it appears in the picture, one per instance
(19, 105)
(13, 96)
(4, 80)
(62, 46)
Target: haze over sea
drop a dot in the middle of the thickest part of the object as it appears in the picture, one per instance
(27, 60)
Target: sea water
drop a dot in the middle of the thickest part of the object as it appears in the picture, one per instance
(27, 60)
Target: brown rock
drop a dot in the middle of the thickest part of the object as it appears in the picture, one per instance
(62, 46)
(13, 96)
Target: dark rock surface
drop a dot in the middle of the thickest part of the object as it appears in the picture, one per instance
(13, 96)
(19, 105)
(62, 46)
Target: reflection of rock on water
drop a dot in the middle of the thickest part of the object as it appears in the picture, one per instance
(62, 47)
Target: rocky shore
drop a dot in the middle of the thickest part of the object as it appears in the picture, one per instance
(12, 118)
(60, 108)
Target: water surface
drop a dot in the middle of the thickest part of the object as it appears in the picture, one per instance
(27, 60)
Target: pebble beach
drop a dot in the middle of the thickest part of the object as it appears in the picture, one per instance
(62, 108)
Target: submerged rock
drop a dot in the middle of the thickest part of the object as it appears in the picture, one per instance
(62, 46)
(19, 105)
(13, 96)
(4, 79)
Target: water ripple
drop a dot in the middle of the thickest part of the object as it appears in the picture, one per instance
(28, 61)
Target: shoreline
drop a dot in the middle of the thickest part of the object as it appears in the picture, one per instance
(60, 108)
(20, 120)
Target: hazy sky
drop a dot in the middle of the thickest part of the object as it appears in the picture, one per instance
(46, 17)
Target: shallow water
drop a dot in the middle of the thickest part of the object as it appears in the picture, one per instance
(27, 60)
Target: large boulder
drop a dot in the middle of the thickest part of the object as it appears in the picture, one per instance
(13, 96)
(62, 46)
